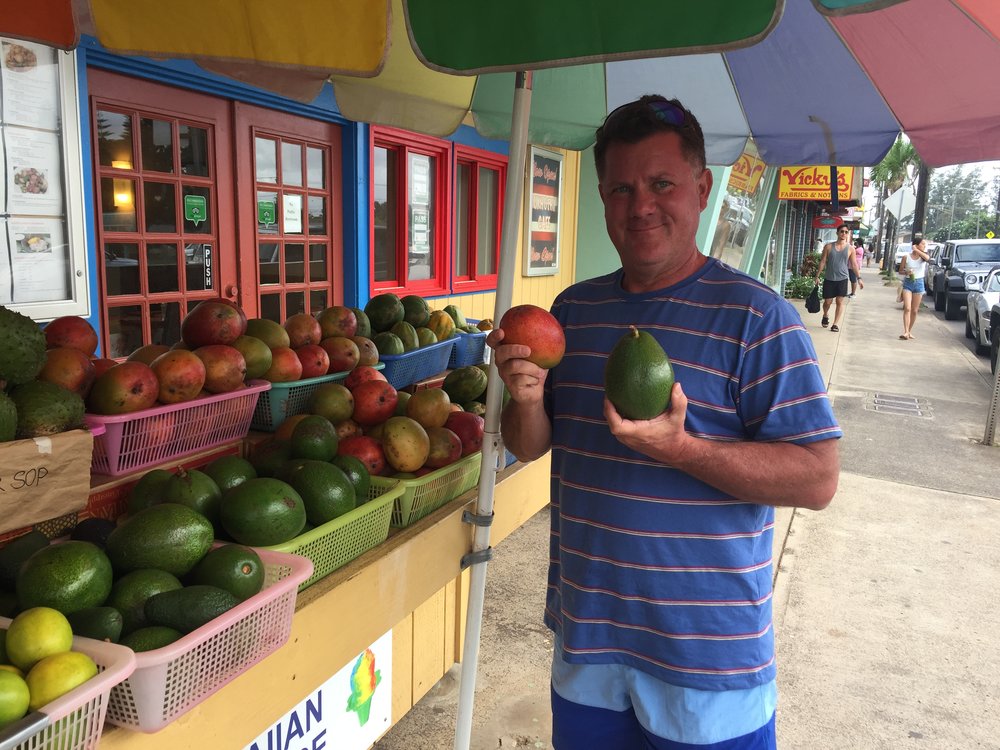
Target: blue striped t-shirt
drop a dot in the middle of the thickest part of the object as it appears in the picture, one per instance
(650, 567)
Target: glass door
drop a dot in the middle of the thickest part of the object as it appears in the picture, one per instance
(164, 200)
(289, 185)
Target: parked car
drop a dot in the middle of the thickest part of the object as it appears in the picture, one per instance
(978, 317)
(934, 268)
(966, 264)
(903, 248)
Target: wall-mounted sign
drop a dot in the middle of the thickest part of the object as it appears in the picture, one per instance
(747, 171)
(812, 183)
(195, 209)
(347, 712)
(265, 212)
(292, 214)
(541, 246)
(827, 222)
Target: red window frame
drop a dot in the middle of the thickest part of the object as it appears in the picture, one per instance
(404, 144)
(477, 159)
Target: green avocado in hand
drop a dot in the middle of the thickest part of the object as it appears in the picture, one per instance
(638, 376)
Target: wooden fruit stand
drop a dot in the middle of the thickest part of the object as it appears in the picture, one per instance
(412, 584)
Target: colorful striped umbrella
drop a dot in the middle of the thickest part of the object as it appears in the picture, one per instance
(812, 81)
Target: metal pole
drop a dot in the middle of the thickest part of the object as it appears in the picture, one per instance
(991, 415)
(951, 221)
(513, 195)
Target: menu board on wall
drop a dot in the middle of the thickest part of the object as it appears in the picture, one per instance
(37, 263)
(541, 247)
(29, 78)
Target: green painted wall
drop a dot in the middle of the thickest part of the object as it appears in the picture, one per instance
(595, 255)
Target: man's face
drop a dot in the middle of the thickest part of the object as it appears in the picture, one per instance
(653, 197)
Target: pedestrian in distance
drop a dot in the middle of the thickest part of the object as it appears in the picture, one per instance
(855, 270)
(911, 270)
(838, 259)
(660, 551)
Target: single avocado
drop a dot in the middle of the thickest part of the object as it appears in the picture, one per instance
(195, 489)
(189, 608)
(68, 577)
(151, 638)
(130, 592)
(263, 511)
(233, 567)
(99, 623)
(148, 490)
(638, 376)
(167, 536)
(15, 552)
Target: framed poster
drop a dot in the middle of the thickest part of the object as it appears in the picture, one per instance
(541, 246)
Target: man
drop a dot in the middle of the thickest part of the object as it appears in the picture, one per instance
(839, 260)
(660, 575)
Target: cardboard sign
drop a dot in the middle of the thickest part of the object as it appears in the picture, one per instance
(44, 478)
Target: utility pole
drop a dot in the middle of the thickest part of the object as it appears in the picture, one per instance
(920, 209)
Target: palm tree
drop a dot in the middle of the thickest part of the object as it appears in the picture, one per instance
(889, 175)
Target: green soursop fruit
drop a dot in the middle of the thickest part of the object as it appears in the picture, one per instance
(46, 409)
(22, 347)
(8, 418)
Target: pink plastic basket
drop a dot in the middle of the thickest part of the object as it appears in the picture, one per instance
(152, 436)
(170, 681)
(75, 720)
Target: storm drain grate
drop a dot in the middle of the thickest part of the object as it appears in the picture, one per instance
(906, 406)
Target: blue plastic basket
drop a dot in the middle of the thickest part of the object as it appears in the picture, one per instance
(469, 349)
(406, 369)
(286, 399)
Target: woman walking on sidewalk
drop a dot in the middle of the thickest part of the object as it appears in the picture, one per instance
(911, 270)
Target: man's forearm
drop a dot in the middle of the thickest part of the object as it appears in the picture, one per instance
(526, 430)
(781, 474)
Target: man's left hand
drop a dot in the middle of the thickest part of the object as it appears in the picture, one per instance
(662, 438)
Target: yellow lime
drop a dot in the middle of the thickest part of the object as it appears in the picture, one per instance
(14, 697)
(36, 633)
(56, 675)
(11, 668)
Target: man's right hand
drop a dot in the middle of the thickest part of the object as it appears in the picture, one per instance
(525, 380)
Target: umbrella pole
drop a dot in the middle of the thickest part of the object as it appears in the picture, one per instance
(492, 447)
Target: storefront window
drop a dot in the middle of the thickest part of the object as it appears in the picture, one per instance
(409, 190)
(478, 206)
(742, 208)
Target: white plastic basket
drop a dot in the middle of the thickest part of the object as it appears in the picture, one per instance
(170, 681)
(75, 720)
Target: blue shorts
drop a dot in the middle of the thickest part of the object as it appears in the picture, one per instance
(575, 726)
(626, 709)
(916, 286)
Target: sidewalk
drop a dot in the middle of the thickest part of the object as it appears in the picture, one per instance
(885, 603)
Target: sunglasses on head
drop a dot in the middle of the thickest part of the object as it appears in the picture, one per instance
(666, 112)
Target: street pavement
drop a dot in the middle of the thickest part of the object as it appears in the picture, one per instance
(886, 605)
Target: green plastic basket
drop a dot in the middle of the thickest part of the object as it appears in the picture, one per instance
(423, 495)
(339, 541)
(287, 399)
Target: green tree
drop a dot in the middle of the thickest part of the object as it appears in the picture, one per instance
(956, 208)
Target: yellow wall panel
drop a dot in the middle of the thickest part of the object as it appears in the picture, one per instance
(402, 668)
(428, 644)
(450, 635)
